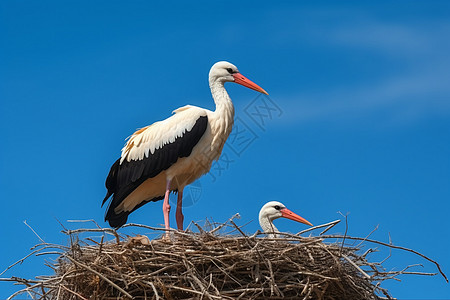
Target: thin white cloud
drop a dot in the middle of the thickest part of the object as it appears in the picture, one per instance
(406, 40)
(420, 89)
(402, 99)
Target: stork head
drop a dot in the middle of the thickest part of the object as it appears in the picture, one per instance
(223, 71)
(273, 210)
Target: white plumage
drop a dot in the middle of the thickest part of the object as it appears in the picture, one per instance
(155, 136)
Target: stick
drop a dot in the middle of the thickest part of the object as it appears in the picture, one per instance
(100, 275)
(345, 233)
(75, 293)
(356, 266)
(320, 226)
(25, 222)
(223, 224)
(19, 261)
(389, 245)
(154, 289)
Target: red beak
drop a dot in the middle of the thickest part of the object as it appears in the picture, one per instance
(286, 213)
(242, 80)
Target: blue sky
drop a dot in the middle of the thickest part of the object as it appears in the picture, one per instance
(361, 122)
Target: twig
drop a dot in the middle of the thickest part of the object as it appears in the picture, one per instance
(367, 236)
(192, 291)
(223, 224)
(390, 250)
(148, 227)
(75, 293)
(42, 241)
(345, 233)
(200, 229)
(329, 227)
(100, 275)
(20, 261)
(61, 224)
(154, 289)
(389, 245)
(330, 224)
(356, 266)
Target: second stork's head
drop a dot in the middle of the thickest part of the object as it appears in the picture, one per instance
(274, 210)
(224, 71)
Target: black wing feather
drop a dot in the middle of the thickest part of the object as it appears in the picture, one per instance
(124, 178)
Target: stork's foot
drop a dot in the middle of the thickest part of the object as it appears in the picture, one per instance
(166, 237)
(138, 240)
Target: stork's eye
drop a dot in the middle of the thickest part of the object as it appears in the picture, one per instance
(230, 70)
(277, 207)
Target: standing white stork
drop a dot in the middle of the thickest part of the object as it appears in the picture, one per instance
(170, 154)
(273, 210)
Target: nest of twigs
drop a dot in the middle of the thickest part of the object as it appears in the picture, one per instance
(209, 265)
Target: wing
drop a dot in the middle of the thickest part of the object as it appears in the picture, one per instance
(148, 152)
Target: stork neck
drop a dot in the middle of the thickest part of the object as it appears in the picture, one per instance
(267, 226)
(224, 106)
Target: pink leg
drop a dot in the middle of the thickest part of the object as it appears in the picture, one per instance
(166, 207)
(179, 213)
